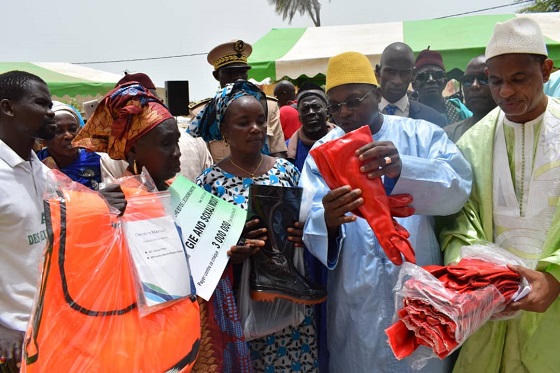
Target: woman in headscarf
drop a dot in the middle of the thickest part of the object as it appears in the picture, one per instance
(78, 164)
(238, 115)
(132, 124)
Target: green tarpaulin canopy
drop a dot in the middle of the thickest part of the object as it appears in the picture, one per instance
(66, 79)
(296, 52)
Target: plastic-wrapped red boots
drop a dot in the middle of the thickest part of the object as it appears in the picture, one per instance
(442, 311)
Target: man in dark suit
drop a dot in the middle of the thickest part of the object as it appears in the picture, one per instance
(394, 74)
(478, 97)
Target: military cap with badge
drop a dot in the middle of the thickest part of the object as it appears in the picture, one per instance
(231, 54)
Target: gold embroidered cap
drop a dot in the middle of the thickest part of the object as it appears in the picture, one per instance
(231, 54)
(347, 68)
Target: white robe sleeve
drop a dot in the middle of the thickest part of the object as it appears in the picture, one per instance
(434, 172)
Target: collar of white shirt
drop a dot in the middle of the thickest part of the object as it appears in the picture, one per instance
(401, 104)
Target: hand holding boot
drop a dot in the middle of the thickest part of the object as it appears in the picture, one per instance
(380, 158)
(356, 162)
(295, 234)
(251, 240)
(545, 289)
(337, 203)
(273, 272)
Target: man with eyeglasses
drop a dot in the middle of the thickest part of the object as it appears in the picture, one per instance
(515, 155)
(411, 156)
(394, 74)
(430, 81)
(478, 97)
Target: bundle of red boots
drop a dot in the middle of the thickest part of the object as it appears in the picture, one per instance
(442, 313)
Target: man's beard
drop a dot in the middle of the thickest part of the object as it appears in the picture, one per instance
(45, 133)
(315, 131)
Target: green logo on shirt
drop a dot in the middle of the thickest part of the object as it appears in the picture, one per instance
(38, 237)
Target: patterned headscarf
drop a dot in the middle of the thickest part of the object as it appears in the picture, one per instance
(208, 123)
(122, 117)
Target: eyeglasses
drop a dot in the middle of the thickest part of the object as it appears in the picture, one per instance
(353, 103)
(425, 76)
(468, 80)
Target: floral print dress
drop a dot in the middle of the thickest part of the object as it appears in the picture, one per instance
(292, 349)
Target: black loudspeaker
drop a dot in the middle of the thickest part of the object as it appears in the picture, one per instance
(177, 96)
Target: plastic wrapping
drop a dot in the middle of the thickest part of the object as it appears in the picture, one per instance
(272, 268)
(443, 306)
(136, 184)
(158, 256)
(276, 270)
(263, 318)
(306, 202)
(85, 316)
(491, 253)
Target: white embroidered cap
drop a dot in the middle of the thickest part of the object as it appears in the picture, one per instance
(518, 35)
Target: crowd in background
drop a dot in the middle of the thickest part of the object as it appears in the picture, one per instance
(481, 166)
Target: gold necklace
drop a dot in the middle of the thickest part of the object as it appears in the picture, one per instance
(247, 172)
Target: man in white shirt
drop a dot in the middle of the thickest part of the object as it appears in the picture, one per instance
(25, 115)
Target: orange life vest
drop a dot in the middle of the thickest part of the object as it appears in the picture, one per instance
(85, 317)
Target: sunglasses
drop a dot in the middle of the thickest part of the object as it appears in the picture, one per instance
(425, 76)
(468, 80)
(353, 103)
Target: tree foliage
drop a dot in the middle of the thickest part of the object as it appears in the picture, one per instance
(540, 6)
(288, 9)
